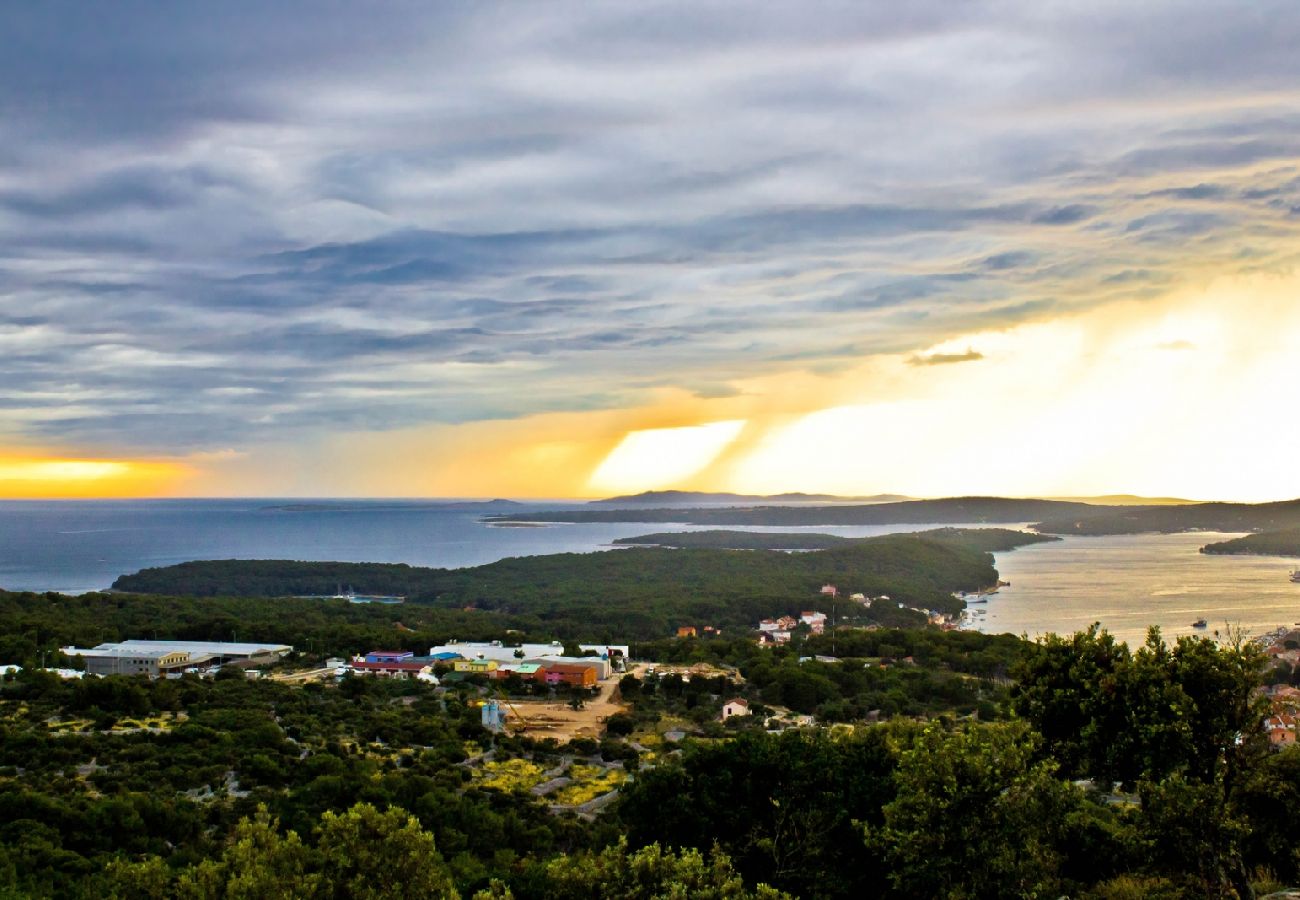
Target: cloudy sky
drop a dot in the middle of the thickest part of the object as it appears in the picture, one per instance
(565, 249)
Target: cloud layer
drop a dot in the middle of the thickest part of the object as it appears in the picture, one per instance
(236, 224)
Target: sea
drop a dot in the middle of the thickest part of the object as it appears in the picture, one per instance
(1126, 583)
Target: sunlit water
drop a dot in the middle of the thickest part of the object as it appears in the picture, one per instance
(1126, 583)
(1130, 582)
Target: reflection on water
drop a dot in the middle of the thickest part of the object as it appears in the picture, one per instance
(1130, 582)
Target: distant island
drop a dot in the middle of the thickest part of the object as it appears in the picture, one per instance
(1228, 517)
(950, 511)
(1265, 543)
(987, 540)
(1060, 517)
(701, 498)
(376, 505)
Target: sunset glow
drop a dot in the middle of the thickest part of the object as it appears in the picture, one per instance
(988, 250)
(41, 477)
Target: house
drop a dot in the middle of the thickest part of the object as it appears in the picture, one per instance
(768, 625)
(787, 623)
(1281, 730)
(526, 671)
(421, 671)
(476, 666)
(570, 674)
(389, 655)
(829, 590)
(686, 631)
(816, 621)
(737, 707)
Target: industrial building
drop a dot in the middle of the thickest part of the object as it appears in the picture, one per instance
(158, 658)
(544, 654)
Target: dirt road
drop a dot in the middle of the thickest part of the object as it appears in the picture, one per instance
(543, 718)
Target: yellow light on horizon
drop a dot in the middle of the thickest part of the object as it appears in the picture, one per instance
(33, 477)
(663, 457)
(61, 470)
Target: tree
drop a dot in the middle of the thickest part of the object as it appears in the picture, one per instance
(975, 817)
(372, 855)
(651, 873)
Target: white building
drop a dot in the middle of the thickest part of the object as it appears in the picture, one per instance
(536, 653)
(736, 707)
(816, 621)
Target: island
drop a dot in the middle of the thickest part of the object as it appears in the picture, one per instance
(1264, 543)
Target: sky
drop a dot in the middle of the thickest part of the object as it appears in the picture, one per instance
(575, 249)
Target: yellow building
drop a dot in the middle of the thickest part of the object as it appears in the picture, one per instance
(483, 666)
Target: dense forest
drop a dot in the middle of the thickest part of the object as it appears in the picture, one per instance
(950, 511)
(634, 594)
(1266, 543)
(1074, 766)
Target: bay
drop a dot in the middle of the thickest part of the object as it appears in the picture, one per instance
(1126, 583)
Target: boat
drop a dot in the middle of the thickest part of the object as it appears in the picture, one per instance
(1199, 623)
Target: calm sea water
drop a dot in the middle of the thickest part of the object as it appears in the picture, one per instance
(1130, 582)
(1126, 583)
(79, 546)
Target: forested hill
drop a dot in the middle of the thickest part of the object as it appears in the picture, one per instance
(1266, 543)
(988, 540)
(1277, 516)
(633, 594)
(950, 511)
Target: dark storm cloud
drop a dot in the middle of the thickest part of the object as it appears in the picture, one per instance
(234, 222)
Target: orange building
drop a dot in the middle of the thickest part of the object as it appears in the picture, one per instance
(686, 631)
(570, 673)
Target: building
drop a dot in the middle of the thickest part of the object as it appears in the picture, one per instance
(495, 650)
(116, 660)
(736, 707)
(570, 674)
(389, 655)
(157, 658)
(816, 621)
(526, 671)
(1281, 730)
(476, 666)
(544, 655)
(686, 631)
(829, 590)
(393, 669)
(610, 652)
(600, 666)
